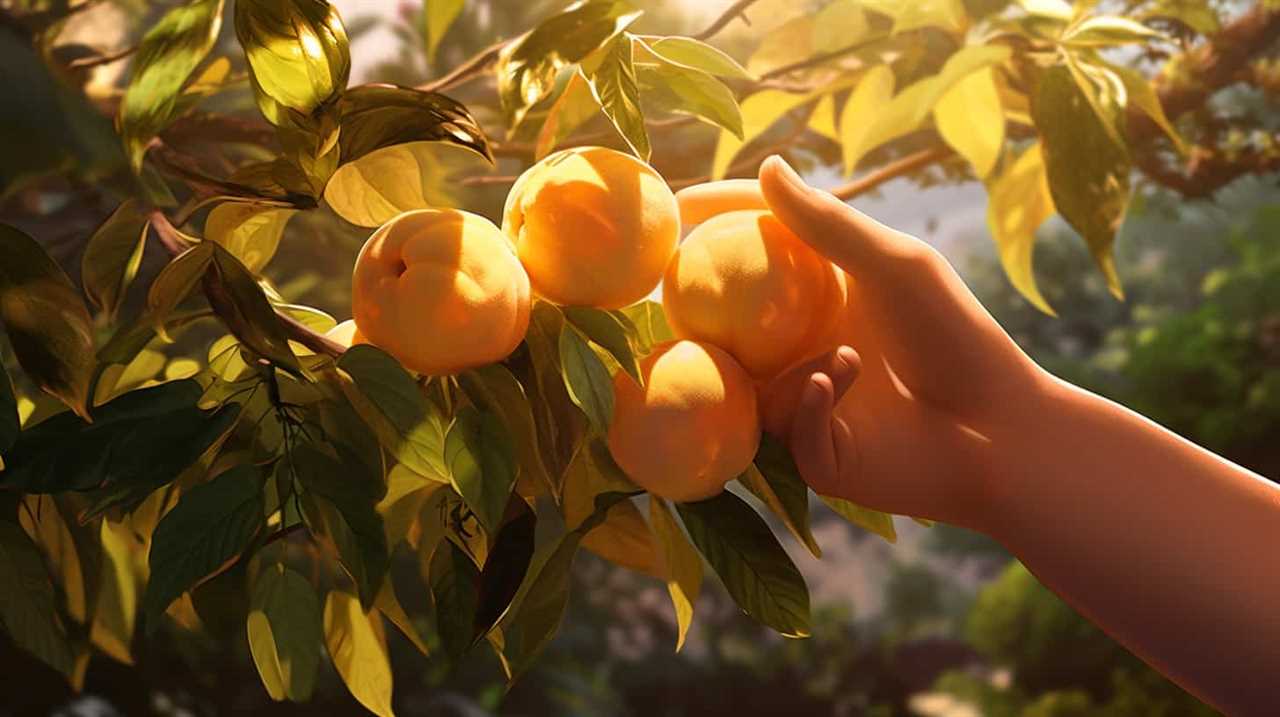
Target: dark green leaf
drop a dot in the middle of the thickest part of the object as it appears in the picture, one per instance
(203, 535)
(482, 464)
(505, 566)
(167, 56)
(754, 568)
(527, 68)
(455, 583)
(176, 281)
(651, 325)
(376, 116)
(297, 51)
(285, 631)
(236, 297)
(389, 400)
(47, 322)
(614, 85)
(609, 331)
(538, 610)
(27, 601)
(10, 423)
(560, 424)
(1088, 170)
(776, 481)
(685, 90)
(872, 520)
(113, 255)
(495, 389)
(586, 379)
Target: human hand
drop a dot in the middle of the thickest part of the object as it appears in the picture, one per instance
(937, 380)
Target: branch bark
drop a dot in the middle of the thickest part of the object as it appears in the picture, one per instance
(736, 10)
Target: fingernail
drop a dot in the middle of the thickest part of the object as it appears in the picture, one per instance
(788, 174)
(847, 356)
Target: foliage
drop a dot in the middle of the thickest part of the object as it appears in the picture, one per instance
(226, 469)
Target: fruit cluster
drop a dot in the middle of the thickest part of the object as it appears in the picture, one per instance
(593, 227)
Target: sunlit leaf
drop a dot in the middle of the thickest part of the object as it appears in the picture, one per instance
(755, 570)
(784, 45)
(871, 520)
(586, 379)
(527, 68)
(296, 49)
(250, 232)
(613, 82)
(116, 612)
(48, 521)
(175, 282)
(284, 627)
(389, 605)
(236, 297)
(699, 55)
(775, 480)
(389, 400)
(969, 117)
(823, 119)
(1053, 9)
(946, 14)
(358, 652)
(759, 112)
(651, 324)
(1088, 171)
(203, 535)
(622, 537)
(858, 119)
(608, 331)
(438, 16)
(1142, 94)
(482, 464)
(684, 90)
(46, 320)
(681, 563)
(1018, 202)
(166, 57)
(27, 602)
(1107, 30)
(574, 107)
(560, 423)
(376, 116)
(113, 255)
(495, 389)
(839, 24)
(375, 188)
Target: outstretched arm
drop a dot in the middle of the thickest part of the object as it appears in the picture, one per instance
(1167, 547)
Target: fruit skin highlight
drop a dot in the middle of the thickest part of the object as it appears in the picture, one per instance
(744, 282)
(592, 226)
(441, 290)
(693, 426)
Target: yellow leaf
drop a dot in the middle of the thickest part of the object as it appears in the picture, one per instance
(113, 621)
(840, 24)
(406, 492)
(1053, 9)
(823, 119)
(858, 120)
(682, 563)
(42, 519)
(1018, 202)
(261, 643)
(439, 15)
(396, 179)
(759, 112)
(357, 652)
(970, 119)
(790, 42)
(1140, 92)
(624, 538)
(915, 14)
(575, 105)
(250, 232)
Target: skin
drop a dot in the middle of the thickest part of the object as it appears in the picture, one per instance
(935, 412)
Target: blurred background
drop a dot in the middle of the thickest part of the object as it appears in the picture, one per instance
(943, 622)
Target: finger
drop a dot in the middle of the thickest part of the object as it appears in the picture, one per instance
(811, 444)
(779, 398)
(703, 201)
(848, 459)
(851, 239)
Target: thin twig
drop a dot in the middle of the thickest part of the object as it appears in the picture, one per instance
(736, 10)
(893, 170)
(468, 70)
(105, 59)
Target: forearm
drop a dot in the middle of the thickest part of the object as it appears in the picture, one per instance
(1167, 547)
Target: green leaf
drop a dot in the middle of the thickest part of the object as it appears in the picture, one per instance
(10, 421)
(574, 107)
(561, 425)
(1108, 30)
(586, 379)
(236, 297)
(141, 439)
(1142, 94)
(754, 568)
(113, 255)
(688, 52)
(166, 57)
(534, 620)
(482, 464)
(175, 282)
(651, 325)
(1018, 203)
(608, 331)
(377, 187)
(872, 520)
(439, 15)
(495, 389)
(527, 68)
(296, 49)
(505, 567)
(342, 508)
(203, 535)
(614, 84)
(455, 585)
(358, 651)
(46, 320)
(775, 480)
(684, 90)
(377, 116)
(389, 400)
(1088, 171)
(284, 627)
(682, 564)
(28, 599)
(249, 232)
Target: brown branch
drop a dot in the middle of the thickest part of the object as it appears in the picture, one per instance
(103, 59)
(893, 170)
(736, 10)
(468, 70)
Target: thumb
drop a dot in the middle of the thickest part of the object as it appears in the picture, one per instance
(852, 240)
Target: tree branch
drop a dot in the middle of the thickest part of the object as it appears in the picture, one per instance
(736, 10)
(898, 168)
(468, 70)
